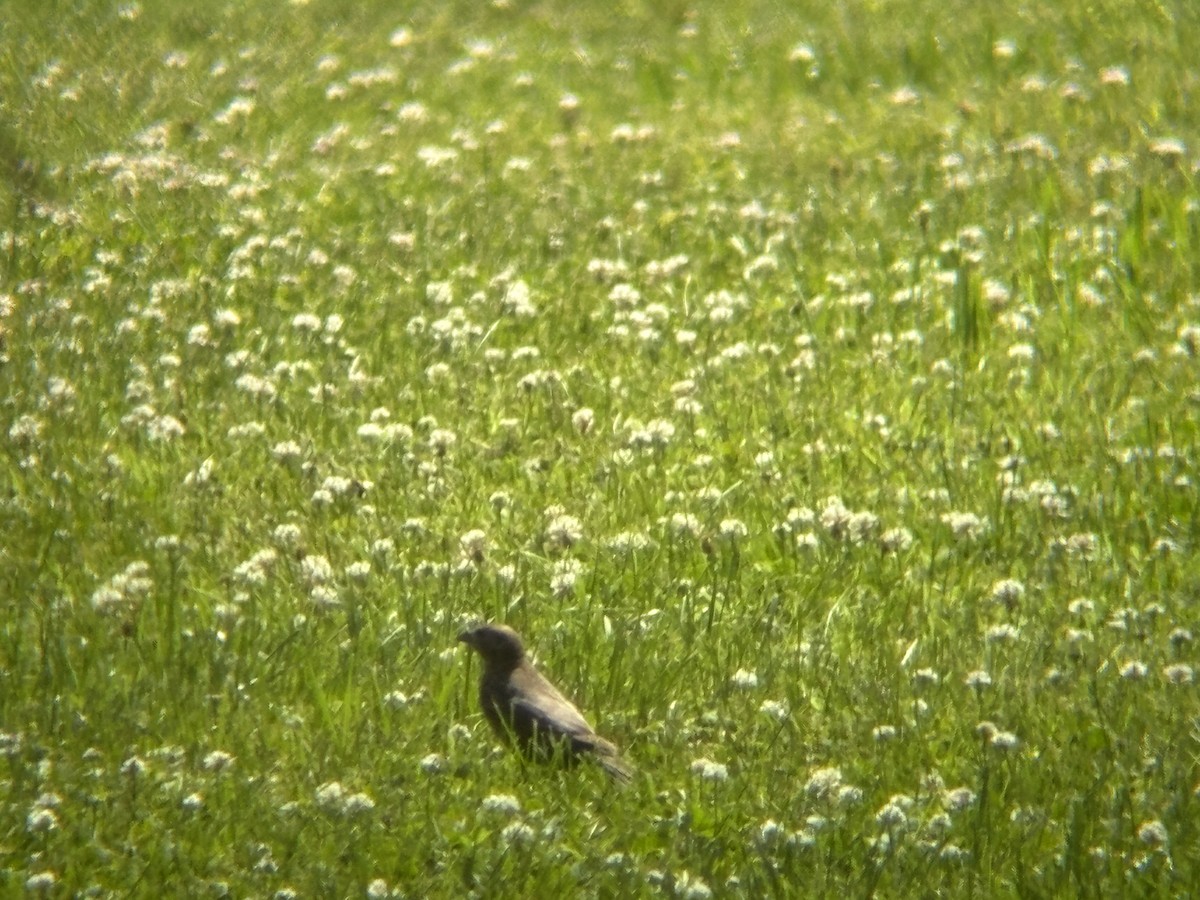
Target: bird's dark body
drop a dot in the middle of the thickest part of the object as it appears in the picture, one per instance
(527, 711)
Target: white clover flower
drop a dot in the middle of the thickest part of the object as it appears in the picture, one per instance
(732, 529)
(684, 524)
(330, 794)
(708, 770)
(802, 839)
(685, 337)
(357, 803)
(238, 108)
(776, 709)
(48, 799)
(770, 831)
(244, 430)
(316, 569)
(958, 799)
(891, 815)
(324, 597)
(518, 833)
(978, 679)
(986, 730)
(41, 881)
(1004, 740)
(433, 764)
(862, 525)
(378, 889)
(168, 543)
(1189, 340)
(823, 783)
(442, 440)
(744, 679)
(287, 451)
(1152, 833)
(193, 802)
(340, 485)
(629, 542)
(835, 517)
(656, 434)
(1021, 352)
(255, 570)
(1008, 591)
(564, 576)
(764, 460)
(1134, 670)
(926, 677)
(965, 525)
(583, 420)
(504, 804)
(1179, 673)
(164, 428)
(227, 318)
(1002, 633)
(217, 761)
(883, 733)
(41, 820)
(474, 544)
(1114, 75)
(306, 322)
(895, 540)
(690, 887)
(848, 795)
(1081, 606)
(106, 598)
(358, 571)
(564, 531)
(1083, 544)
(400, 700)
(1168, 148)
(802, 53)
(25, 430)
(1077, 635)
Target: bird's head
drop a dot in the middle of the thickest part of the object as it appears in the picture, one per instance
(498, 645)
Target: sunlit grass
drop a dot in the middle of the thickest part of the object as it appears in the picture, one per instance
(813, 386)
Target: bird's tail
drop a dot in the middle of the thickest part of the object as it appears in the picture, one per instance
(618, 769)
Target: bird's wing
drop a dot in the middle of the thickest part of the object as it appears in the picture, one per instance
(543, 721)
(536, 703)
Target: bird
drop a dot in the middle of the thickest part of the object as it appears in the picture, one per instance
(529, 712)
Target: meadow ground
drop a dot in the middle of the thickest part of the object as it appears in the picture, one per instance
(813, 384)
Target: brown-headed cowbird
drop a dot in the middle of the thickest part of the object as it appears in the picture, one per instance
(526, 710)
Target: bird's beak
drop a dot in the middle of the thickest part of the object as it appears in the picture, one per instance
(468, 638)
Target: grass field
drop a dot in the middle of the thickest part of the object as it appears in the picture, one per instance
(814, 385)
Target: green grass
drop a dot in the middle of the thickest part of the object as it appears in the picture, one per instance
(877, 308)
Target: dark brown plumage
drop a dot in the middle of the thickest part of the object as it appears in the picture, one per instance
(526, 710)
